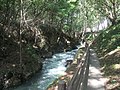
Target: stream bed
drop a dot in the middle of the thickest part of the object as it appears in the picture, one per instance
(52, 69)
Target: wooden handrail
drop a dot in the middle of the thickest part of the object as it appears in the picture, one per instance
(61, 85)
(80, 78)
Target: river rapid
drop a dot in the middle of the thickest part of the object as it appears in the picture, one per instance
(52, 69)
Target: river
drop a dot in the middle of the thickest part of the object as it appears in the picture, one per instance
(52, 69)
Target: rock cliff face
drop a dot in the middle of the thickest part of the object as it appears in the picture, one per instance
(37, 44)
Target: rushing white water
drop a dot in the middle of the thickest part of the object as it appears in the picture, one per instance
(52, 69)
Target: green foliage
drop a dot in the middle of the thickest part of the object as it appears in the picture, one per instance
(31, 52)
(107, 8)
(109, 39)
(107, 45)
(89, 37)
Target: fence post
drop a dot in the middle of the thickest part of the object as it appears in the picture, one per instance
(61, 85)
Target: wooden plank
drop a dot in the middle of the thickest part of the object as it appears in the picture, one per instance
(79, 80)
(62, 85)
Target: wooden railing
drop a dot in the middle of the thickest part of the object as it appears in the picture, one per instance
(80, 78)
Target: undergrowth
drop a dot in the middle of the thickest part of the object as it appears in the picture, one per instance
(107, 46)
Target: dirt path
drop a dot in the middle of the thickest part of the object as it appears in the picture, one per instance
(95, 79)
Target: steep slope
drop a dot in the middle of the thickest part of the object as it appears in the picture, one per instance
(107, 45)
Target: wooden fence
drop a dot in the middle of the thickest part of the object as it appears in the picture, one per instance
(80, 78)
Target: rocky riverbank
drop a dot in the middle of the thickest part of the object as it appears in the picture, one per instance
(35, 48)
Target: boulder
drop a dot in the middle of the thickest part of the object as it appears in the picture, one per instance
(68, 62)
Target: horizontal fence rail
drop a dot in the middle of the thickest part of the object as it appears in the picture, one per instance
(80, 78)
